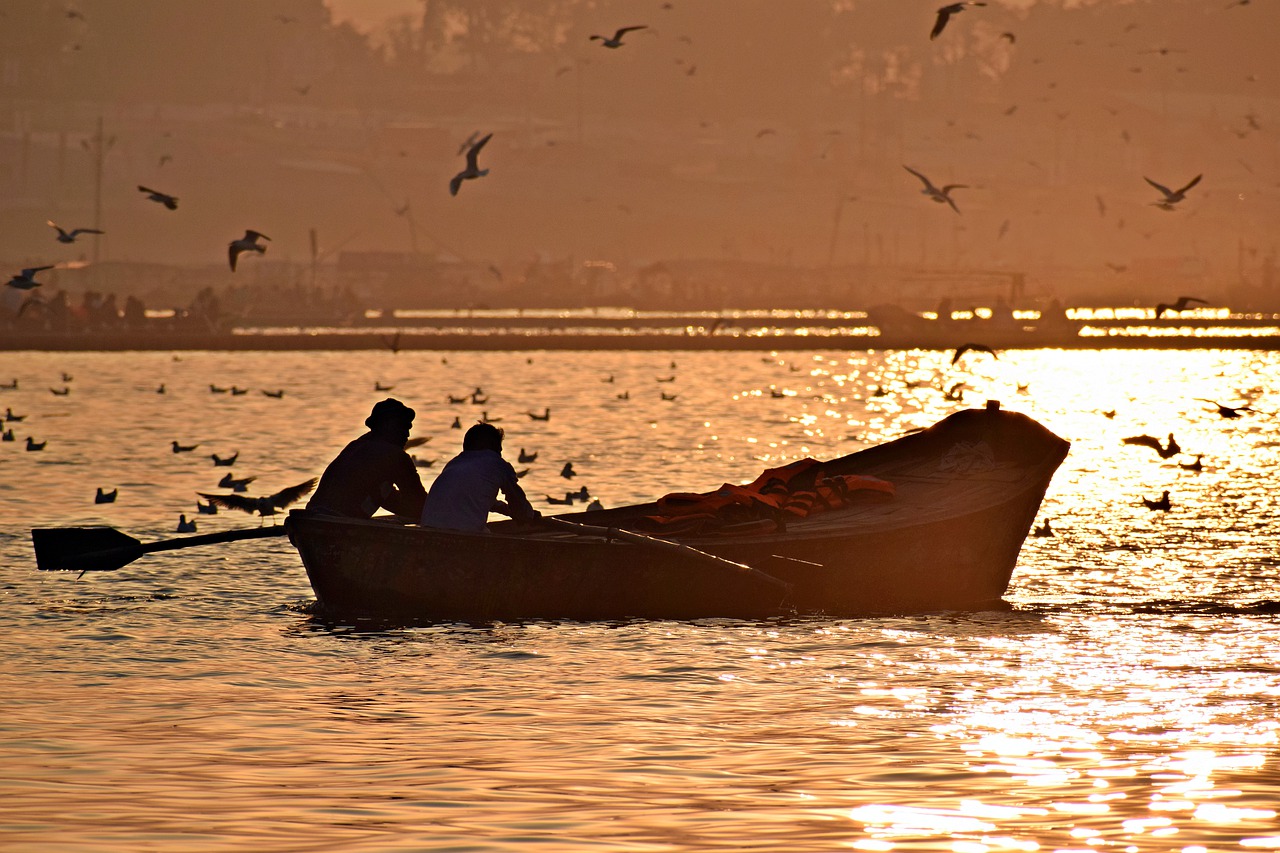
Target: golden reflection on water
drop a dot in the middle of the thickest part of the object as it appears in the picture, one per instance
(191, 703)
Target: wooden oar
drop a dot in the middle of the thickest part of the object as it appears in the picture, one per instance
(105, 549)
(666, 544)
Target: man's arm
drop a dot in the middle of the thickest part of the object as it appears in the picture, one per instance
(406, 496)
(518, 506)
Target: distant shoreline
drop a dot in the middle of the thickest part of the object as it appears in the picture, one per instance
(322, 341)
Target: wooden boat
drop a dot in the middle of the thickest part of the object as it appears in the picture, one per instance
(967, 492)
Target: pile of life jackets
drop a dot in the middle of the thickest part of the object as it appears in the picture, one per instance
(796, 490)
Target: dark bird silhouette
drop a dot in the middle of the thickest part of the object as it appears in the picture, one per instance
(214, 389)
(1043, 530)
(567, 471)
(1009, 37)
(1161, 505)
(219, 461)
(235, 484)
(7, 435)
(160, 389)
(1182, 304)
(1228, 412)
(944, 15)
(964, 348)
(247, 243)
(558, 501)
(67, 377)
(473, 170)
(1110, 414)
(615, 41)
(105, 497)
(545, 416)
(238, 392)
(276, 395)
(32, 444)
(668, 397)
(183, 448)
(943, 195)
(206, 509)
(60, 393)
(525, 458)
(25, 280)
(169, 201)
(185, 526)
(378, 386)
(1165, 450)
(65, 236)
(457, 423)
(263, 506)
(1196, 466)
(10, 416)
(393, 343)
(1171, 197)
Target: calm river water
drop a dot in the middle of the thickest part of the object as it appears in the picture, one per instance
(1129, 700)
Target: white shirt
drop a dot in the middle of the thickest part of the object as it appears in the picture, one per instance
(461, 497)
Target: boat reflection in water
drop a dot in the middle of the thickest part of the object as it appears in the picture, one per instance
(966, 492)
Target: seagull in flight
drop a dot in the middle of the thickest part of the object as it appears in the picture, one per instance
(944, 15)
(468, 142)
(247, 243)
(1171, 197)
(263, 506)
(65, 236)
(473, 169)
(964, 348)
(1171, 449)
(1229, 412)
(942, 196)
(616, 41)
(1183, 303)
(25, 280)
(169, 201)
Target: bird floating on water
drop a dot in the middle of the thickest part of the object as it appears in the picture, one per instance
(1183, 303)
(266, 505)
(220, 461)
(524, 458)
(473, 170)
(1161, 505)
(247, 243)
(32, 444)
(182, 448)
(1165, 451)
(105, 497)
(65, 236)
(169, 201)
(941, 196)
(945, 13)
(615, 41)
(1196, 466)
(1043, 530)
(545, 416)
(7, 435)
(275, 395)
(1171, 197)
(10, 416)
(25, 280)
(567, 471)
(60, 393)
(185, 526)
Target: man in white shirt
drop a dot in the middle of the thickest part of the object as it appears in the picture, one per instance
(467, 489)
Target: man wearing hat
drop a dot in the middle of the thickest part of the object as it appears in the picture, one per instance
(374, 470)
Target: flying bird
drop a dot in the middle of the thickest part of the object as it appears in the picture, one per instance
(942, 196)
(65, 236)
(468, 142)
(1171, 197)
(473, 169)
(1165, 451)
(616, 41)
(247, 243)
(945, 13)
(1182, 304)
(169, 201)
(234, 484)
(263, 506)
(25, 280)
(1227, 412)
(964, 348)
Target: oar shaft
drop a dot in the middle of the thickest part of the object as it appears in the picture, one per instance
(211, 539)
(653, 541)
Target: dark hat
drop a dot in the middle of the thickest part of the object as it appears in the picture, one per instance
(389, 411)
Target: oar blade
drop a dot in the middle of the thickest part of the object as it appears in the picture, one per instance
(63, 549)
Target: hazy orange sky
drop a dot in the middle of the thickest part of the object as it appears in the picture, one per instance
(368, 13)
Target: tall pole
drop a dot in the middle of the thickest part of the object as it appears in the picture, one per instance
(98, 153)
